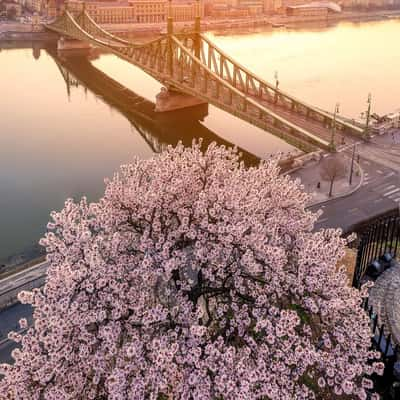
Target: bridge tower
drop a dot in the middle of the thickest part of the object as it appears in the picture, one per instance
(170, 98)
(197, 30)
(170, 32)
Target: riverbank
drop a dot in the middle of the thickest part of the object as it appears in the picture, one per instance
(20, 31)
(356, 16)
(274, 21)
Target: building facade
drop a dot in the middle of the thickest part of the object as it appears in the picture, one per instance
(186, 10)
(135, 11)
(149, 11)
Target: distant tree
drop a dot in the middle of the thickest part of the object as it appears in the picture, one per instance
(12, 13)
(193, 278)
(332, 168)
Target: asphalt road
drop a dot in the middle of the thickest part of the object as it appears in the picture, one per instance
(22, 277)
(380, 192)
(9, 318)
(5, 352)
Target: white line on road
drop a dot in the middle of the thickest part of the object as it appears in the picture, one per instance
(384, 187)
(391, 192)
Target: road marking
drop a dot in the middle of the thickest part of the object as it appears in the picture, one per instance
(397, 200)
(390, 174)
(378, 200)
(384, 187)
(391, 192)
(353, 210)
(379, 171)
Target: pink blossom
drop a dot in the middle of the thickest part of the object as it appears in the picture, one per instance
(192, 277)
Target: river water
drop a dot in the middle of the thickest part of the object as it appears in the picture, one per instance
(61, 134)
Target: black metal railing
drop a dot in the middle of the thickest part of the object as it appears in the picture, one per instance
(386, 385)
(380, 238)
(381, 341)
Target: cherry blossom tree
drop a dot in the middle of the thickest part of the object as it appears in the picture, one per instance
(192, 278)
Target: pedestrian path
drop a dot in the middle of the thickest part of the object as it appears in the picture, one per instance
(318, 186)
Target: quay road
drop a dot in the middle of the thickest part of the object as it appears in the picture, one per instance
(22, 277)
(380, 191)
(9, 322)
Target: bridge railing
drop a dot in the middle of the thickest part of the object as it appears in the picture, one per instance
(228, 68)
(233, 99)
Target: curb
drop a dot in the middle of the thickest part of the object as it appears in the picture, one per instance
(344, 194)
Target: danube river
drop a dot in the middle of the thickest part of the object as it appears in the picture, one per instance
(62, 131)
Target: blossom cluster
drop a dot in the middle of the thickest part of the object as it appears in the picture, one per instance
(194, 277)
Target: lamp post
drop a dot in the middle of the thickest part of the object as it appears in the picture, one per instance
(333, 128)
(276, 86)
(352, 165)
(369, 101)
(170, 32)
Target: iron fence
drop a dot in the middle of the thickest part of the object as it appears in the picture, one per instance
(383, 236)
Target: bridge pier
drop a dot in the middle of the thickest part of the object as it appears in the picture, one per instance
(170, 100)
(67, 44)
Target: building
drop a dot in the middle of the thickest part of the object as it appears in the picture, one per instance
(149, 11)
(11, 5)
(386, 123)
(307, 11)
(242, 8)
(315, 9)
(254, 7)
(34, 5)
(104, 12)
(184, 10)
(134, 11)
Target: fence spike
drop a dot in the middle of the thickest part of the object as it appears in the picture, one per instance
(380, 334)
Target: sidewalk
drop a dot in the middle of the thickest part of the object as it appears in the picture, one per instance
(310, 175)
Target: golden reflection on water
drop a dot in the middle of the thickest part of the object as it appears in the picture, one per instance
(327, 65)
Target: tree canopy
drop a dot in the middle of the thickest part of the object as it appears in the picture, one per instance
(192, 278)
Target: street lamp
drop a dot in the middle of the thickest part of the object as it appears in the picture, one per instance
(352, 165)
(333, 128)
(276, 86)
(369, 101)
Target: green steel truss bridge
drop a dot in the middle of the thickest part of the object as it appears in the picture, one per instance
(192, 64)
